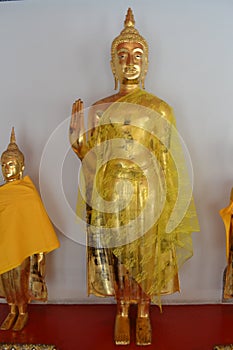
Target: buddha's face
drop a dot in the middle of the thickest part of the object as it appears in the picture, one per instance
(12, 169)
(130, 62)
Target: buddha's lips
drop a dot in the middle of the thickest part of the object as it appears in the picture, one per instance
(130, 70)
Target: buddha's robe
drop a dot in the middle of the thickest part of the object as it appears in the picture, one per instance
(26, 233)
(142, 210)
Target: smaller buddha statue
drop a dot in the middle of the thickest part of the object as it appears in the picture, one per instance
(26, 236)
(227, 217)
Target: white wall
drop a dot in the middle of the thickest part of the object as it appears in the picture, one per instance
(53, 52)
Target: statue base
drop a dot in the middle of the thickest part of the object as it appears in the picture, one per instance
(7, 346)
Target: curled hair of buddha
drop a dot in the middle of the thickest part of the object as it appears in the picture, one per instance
(13, 151)
(128, 34)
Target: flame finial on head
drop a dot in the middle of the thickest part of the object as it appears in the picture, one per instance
(12, 139)
(231, 196)
(129, 19)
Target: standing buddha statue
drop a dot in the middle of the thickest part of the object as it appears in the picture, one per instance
(131, 186)
(26, 235)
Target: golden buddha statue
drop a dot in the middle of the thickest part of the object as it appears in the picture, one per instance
(227, 217)
(131, 164)
(26, 235)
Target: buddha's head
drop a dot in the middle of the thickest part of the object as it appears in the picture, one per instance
(129, 54)
(12, 161)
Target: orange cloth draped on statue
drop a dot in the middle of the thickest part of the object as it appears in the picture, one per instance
(25, 228)
(226, 215)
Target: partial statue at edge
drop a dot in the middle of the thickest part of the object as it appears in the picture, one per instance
(131, 158)
(26, 235)
(227, 217)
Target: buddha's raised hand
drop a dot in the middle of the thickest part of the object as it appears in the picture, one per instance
(77, 135)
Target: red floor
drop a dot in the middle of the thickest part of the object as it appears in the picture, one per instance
(86, 327)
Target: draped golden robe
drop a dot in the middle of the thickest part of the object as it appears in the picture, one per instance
(25, 228)
(142, 210)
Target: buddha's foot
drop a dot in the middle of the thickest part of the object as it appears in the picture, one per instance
(143, 331)
(122, 330)
(9, 321)
(21, 321)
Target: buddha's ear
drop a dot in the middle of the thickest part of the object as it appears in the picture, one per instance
(112, 67)
(145, 68)
(114, 73)
(21, 172)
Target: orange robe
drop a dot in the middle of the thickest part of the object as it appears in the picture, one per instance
(227, 217)
(25, 228)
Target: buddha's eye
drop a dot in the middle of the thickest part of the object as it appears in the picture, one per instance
(121, 55)
(138, 56)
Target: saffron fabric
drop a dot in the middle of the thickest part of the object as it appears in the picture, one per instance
(226, 215)
(25, 228)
